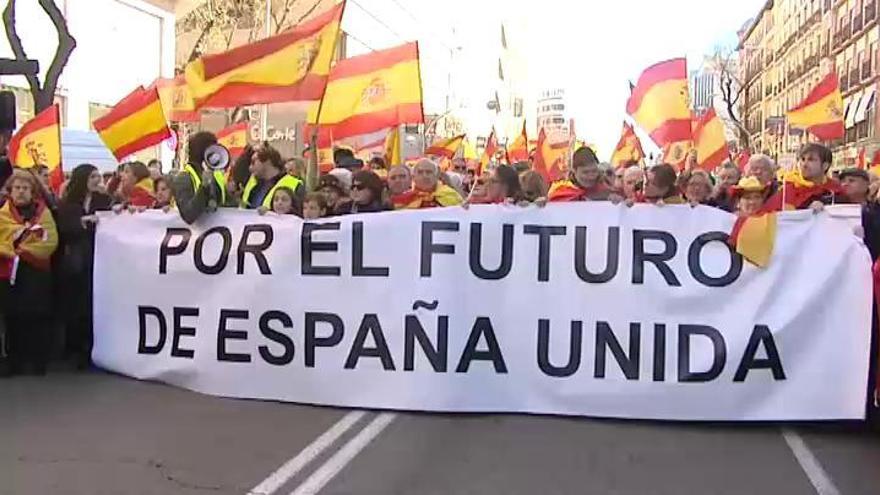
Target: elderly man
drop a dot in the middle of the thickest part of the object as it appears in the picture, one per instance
(762, 167)
(633, 183)
(728, 176)
(428, 191)
(399, 180)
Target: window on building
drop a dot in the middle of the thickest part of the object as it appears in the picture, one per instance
(24, 104)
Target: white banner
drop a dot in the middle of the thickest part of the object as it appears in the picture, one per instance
(579, 309)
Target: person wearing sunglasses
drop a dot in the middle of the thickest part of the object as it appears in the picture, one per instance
(366, 193)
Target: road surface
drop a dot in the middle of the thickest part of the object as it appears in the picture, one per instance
(96, 433)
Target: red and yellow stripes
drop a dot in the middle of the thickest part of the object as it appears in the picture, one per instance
(548, 159)
(518, 150)
(371, 92)
(659, 102)
(447, 147)
(177, 100)
(710, 141)
(488, 153)
(38, 142)
(291, 66)
(821, 112)
(135, 123)
(629, 148)
(234, 138)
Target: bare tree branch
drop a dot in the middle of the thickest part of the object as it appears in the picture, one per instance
(279, 23)
(66, 45)
(308, 12)
(17, 47)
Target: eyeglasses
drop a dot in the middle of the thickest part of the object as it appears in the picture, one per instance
(357, 187)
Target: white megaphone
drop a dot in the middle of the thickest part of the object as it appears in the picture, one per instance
(216, 157)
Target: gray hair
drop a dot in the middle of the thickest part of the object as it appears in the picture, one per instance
(430, 163)
(632, 169)
(402, 167)
(766, 160)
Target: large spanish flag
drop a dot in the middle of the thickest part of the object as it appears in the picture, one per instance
(291, 66)
(38, 142)
(659, 102)
(710, 141)
(135, 123)
(234, 138)
(821, 112)
(629, 148)
(177, 100)
(370, 92)
(446, 147)
(518, 150)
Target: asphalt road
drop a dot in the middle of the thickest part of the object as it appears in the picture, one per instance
(95, 433)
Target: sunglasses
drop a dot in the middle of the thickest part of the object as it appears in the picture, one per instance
(357, 187)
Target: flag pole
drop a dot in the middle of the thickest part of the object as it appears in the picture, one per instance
(264, 111)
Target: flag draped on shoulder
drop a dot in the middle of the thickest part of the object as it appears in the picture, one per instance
(291, 66)
(659, 102)
(135, 123)
(38, 142)
(370, 92)
(710, 141)
(821, 112)
(629, 148)
(31, 242)
(234, 138)
(177, 100)
(518, 150)
(446, 147)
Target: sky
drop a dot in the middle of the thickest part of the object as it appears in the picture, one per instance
(588, 48)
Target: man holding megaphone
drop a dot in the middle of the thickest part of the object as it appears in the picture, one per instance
(201, 187)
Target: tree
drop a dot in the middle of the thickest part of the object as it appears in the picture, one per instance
(732, 88)
(42, 92)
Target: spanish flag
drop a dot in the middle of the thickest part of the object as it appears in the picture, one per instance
(710, 141)
(659, 102)
(38, 142)
(754, 236)
(32, 242)
(676, 153)
(370, 92)
(518, 150)
(177, 100)
(392, 147)
(629, 148)
(445, 147)
(291, 66)
(234, 138)
(488, 153)
(549, 158)
(135, 123)
(821, 112)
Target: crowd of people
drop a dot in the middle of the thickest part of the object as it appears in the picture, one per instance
(47, 242)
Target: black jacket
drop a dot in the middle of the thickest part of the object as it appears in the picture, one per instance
(77, 258)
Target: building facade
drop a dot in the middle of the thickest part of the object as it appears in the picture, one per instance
(552, 115)
(787, 49)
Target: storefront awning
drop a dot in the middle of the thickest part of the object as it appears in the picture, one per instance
(850, 113)
(865, 104)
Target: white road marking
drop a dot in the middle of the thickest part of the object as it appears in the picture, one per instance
(809, 463)
(290, 468)
(343, 456)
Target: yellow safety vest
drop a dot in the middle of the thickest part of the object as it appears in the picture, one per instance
(287, 181)
(219, 178)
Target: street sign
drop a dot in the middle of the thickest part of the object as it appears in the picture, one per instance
(11, 67)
